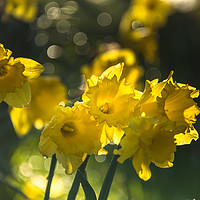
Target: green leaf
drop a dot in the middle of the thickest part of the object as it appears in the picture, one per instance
(89, 192)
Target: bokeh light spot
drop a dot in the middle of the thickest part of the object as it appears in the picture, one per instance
(63, 26)
(49, 68)
(43, 22)
(54, 51)
(41, 39)
(104, 19)
(70, 7)
(80, 38)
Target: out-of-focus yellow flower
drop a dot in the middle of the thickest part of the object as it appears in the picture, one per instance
(148, 140)
(152, 13)
(32, 191)
(24, 10)
(72, 134)
(14, 76)
(47, 93)
(138, 26)
(132, 72)
(110, 99)
(173, 101)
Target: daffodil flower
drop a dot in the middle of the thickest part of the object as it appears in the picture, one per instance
(71, 134)
(110, 99)
(148, 140)
(14, 76)
(47, 93)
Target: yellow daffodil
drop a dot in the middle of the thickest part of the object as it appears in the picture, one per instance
(132, 72)
(139, 24)
(173, 101)
(148, 140)
(110, 99)
(47, 93)
(72, 134)
(24, 10)
(14, 76)
(152, 13)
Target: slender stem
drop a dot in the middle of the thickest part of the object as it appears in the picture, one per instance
(76, 183)
(50, 177)
(108, 179)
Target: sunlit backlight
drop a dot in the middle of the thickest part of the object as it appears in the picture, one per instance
(104, 19)
(54, 51)
(49, 68)
(140, 29)
(43, 22)
(63, 26)
(41, 39)
(57, 187)
(25, 169)
(70, 7)
(36, 162)
(40, 181)
(38, 124)
(80, 38)
(50, 5)
(100, 158)
(183, 5)
(53, 13)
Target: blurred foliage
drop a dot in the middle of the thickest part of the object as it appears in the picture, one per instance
(64, 36)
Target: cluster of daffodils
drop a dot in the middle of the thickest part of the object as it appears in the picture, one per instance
(146, 125)
(14, 76)
(139, 25)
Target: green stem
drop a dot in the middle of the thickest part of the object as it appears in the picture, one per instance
(76, 183)
(50, 177)
(108, 179)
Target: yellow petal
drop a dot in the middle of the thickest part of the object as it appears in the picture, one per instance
(46, 146)
(33, 69)
(70, 162)
(187, 137)
(21, 120)
(141, 164)
(20, 98)
(115, 70)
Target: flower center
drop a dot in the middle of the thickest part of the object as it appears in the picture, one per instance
(105, 108)
(3, 71)
(68, 129)
(151, 5)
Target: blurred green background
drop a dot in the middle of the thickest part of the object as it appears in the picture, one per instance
(50, 40)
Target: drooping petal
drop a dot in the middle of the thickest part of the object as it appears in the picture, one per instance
(46, 146)
(70, 162)
(141, 164)
(21, 120)
(33, 69)
(20, 98)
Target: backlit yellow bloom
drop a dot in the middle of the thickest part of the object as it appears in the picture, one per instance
(14, 73)
(47, 93)
(138, 26)
(173, 101)
(148, 140)
(72, 134)
(110, 99)
(132, 72)
(24, 10)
